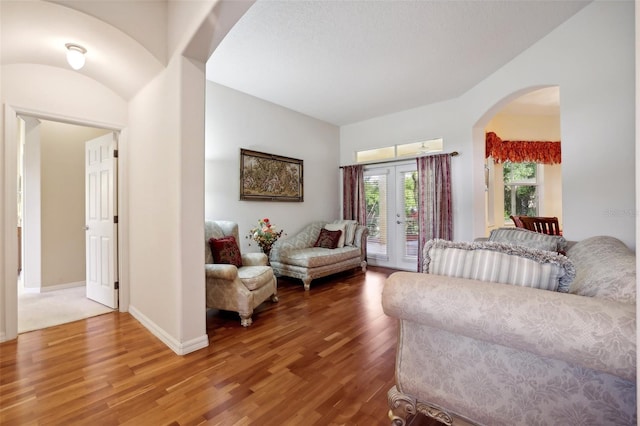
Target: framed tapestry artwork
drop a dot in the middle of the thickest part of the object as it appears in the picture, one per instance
(268, 177)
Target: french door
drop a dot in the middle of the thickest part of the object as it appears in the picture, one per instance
(392, 216)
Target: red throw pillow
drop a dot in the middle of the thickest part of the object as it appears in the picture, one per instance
(328, 239)
(225, 250)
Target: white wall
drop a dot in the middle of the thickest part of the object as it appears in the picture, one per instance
(591, 58)
(166, 206)
(153, 192)
(235, 120)
(32, 207)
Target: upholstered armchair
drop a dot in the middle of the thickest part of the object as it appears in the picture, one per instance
(238, 289)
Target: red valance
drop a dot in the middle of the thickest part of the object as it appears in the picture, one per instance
(522, 151)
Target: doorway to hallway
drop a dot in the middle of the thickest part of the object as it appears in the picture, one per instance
(51, 213)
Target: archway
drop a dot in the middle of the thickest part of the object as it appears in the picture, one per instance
(530, 114)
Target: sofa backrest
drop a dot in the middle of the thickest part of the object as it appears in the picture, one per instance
(605, 268)
(500, 263)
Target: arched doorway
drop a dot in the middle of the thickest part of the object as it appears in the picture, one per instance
(527, 185)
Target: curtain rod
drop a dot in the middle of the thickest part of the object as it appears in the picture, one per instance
(451, 154)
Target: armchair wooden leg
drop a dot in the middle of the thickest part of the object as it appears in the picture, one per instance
(274, 298)
(307, 283)
(245, 319)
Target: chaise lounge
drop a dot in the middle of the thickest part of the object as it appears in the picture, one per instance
(297, 257)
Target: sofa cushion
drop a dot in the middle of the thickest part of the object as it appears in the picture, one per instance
(337, 227)
(328, 239)
(254, 277)
(528, 238)
(225, 250)
(499, 262)
(313, 257)
(349, 230)
(605, 268)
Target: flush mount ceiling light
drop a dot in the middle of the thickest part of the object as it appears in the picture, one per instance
(75, 55)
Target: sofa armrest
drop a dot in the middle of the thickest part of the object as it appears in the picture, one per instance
(220, 271)
(360, 240)
(595, 333)
(254, 259)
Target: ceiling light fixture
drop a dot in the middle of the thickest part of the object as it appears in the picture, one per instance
(75, 55)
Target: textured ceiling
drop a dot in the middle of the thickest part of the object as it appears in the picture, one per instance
(347, 61)
(339, 61)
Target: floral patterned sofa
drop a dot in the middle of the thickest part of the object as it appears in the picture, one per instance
(297, 257)
(476, 350)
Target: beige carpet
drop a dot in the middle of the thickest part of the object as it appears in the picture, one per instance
(42, 310)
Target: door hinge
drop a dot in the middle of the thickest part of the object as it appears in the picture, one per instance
(115, 153)
(117, 285)
(115, 219)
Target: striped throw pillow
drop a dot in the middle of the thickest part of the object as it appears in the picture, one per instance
(525, 237)
(500, 263)
(349, 231)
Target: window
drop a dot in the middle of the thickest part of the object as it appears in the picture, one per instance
(413, 149)
(520, 189)
(375, 154)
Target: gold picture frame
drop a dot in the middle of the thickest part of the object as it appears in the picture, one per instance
(269, 177)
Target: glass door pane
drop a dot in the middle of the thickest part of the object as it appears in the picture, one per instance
(409, 206)
(392, 216)
(375, 188)
(406, 256)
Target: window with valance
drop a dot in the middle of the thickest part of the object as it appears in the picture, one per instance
(540, 152)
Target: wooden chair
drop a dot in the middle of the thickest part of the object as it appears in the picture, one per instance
(516, 221)
(543, 225)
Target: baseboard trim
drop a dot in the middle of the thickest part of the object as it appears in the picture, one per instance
(180, 348)
(49, 288)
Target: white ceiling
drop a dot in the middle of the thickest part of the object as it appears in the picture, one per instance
(338, 61)
(347, 61)
(124, 40)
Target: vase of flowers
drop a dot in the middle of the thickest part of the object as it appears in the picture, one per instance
(265, 234)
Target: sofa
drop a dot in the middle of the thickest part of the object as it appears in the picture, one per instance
(297, 257)
(473, 350)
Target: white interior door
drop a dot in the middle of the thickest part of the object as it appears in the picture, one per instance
(101, 220)
(392, 216)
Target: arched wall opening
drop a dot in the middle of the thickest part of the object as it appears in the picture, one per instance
(487, 178)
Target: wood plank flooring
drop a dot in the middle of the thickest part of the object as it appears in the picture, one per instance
(324, 357)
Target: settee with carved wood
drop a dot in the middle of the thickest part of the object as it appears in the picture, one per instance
(479, 344)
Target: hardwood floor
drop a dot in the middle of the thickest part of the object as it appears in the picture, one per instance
(324, 357)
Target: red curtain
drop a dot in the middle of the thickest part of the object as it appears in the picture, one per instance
(435, 213)
(522, 151)
(353, 203)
